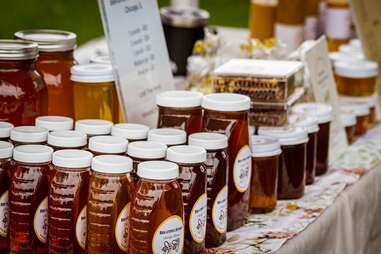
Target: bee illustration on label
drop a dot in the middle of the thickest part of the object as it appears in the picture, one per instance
(221, 217)
(168, 247)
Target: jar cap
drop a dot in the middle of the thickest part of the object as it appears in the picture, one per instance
(101, 59)
(94, 126)
(322, 112)
(168, 136)
(226, 102)
(111, 164)
(92, 73)
(208, 140)
(371, 101)
(348, 118)
(55, 123)
(18, 50)
(339, 56)
(287, 135)
(67, 139)
(179, 99)
(29, 134)
(360, 109)
(158, 170)
(356, 43)
(130, 131)
(350, 50)
(5, 129)
(186, 154)
(262, 146)
(357, 69)
(147, 150)
(49, 40)
(72, 158)
(32, 153)
(108, 144)
(184, 17)
(6, 150)
(309, 123)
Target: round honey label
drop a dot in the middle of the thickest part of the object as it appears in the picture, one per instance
(242, 169)
(197, 219)
(220, 211)
(81, 228)
(40, 221)
(121, 228)
(4, 214)
(169, 236)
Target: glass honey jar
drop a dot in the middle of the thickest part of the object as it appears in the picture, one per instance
(55, 123)
(362, 112)
(93, 127)
(67, 139)
(180, 109)
(5, 131)
(348, 119)
(130, 131)
(108, 145)
(168, 136)
(23, 93)
(56, 57)
(262, 19)
(356, 78)
(23, 135)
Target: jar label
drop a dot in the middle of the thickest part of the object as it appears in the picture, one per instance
(290, 35)
(220, 210)
(169, 236)
(197, 219)
(121, 228)
(338, 23)
(81, 228)
(40, 221)
(242, 169)
(4, 214)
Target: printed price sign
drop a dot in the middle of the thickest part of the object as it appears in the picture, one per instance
(139, 55)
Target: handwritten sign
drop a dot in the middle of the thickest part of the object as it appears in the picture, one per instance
(139, 55)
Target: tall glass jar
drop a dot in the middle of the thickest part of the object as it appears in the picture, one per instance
(23, 93)
(53, 63)
(262, 18)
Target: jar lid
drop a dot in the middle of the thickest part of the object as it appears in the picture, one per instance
(179, 99)
(356, 69)
(184, 17)
(287, 135)
(29, 134)
(130, 131)
(226, 102)
(322, 112)
(101, 59)
(6, 150)
(309, 123)
(33, 153)
(348, 118)
(94, 126)
(208, 140)
(262, 146)
(158, 170)
(5, 129)
(356, 43)
(168, 136)
(72, 158)
(350, 50)
(371, 101)
(111, 164)
(108, 144)
(186, 154)
(49, 40)
(17, 50)
(55, 123)
(360, 109)
(67, 139)
(147, 150)
(92, 73)
(339, 56)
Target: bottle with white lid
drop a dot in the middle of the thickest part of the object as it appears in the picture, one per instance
(362, 112)
(264, 181)
(227, 113)
(141, 151)
(216, 165)
(6, 150)
(93, 127)
(5, 130)
(22, 135)
(108, 206)
(356, 78)
(67, 201)
(348, 119)
(323, 114)
(310, 124)
(293, 160)
(28, 195)
(130, 131)
(55, 123)
(157, 210)
(168, 136)
(193, 181)
(180, 109)
(108, 145)
(95, 94)
(67, 139)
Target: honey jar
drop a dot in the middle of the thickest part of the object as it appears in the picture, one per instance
(130, 131)
(5, 130)
(348, 119)
(362, 112)
(181, 110)
(93, 127)
(23, 135)
(264, 180)
(54, 123)
(108, 145)
(168, 136)
(262, 19)
(59, 140)
(356, 78)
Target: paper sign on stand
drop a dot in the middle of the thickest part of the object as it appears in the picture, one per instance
(323, 86)
(139, 55)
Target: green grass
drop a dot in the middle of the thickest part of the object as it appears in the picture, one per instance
(82, 16)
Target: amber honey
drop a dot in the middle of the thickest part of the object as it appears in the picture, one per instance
(338, 23)
(362, 112)
(348, 119)
(262, 18)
